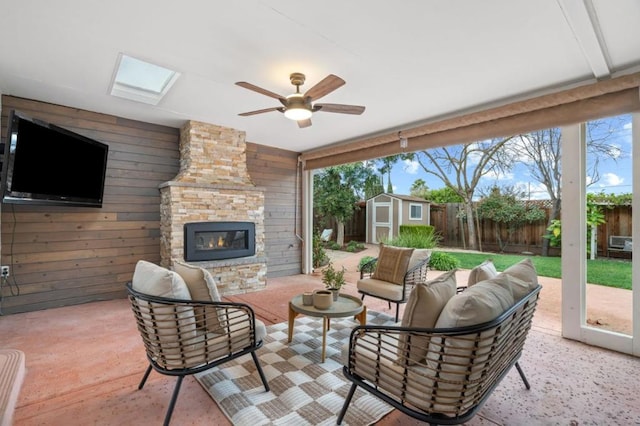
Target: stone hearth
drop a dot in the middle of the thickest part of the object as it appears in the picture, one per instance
(214, 185)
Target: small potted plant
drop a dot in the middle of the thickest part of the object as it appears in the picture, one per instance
(333, 280)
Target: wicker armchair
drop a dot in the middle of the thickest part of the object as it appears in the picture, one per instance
(183, 337)
(416, 273)
(462, 366)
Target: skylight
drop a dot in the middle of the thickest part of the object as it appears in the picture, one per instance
(141, 81)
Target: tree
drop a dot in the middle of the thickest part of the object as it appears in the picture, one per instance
(336, 190)
(507, 211)
(444, 195)
(461, 167)
(420, 189)
(595, 217)
(373, 186)
(386, 165)
(539, 151)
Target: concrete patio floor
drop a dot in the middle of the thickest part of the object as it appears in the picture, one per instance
(84, 363)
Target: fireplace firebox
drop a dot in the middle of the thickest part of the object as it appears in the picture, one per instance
(218, 240)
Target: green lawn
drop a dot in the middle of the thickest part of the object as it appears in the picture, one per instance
(608, 272)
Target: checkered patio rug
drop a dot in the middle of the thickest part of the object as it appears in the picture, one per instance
(304, 391)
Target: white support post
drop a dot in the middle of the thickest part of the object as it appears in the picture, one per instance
(307, 221)
(573, 217)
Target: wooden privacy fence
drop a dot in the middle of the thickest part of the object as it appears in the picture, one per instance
(354, 229)
(447, 221)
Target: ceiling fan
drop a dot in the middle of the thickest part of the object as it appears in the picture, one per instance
(300, 106)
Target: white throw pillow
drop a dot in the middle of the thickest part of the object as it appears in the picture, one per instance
(149, 278)
(484, 271)
(525, 278)
(173, 328)
(480, 303)
(418, 256)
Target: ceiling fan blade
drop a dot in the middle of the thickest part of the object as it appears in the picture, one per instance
(324, 87)
(339, 108)
(304, 123)
(260, 111)
(261, 91)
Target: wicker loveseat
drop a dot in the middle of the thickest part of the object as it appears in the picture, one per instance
(444, 373)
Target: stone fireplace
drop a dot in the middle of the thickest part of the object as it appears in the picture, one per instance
(211, 191)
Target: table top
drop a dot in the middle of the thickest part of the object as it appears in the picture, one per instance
(345, 306)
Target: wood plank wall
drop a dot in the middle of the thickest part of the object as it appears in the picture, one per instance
(276, 171)
(70, 255)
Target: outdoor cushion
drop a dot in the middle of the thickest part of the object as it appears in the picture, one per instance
(523, 270)
(149, 278)
(175, 338)
(525, 278)
(418, 256)
(380, 288)
(425, 303)
(482, 302)
(484, 271)
(202, 287)
(201, 284)
(392, 264)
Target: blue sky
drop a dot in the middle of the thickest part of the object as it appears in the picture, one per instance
(615, 176)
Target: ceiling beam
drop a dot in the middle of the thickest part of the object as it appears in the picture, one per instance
(581, 17)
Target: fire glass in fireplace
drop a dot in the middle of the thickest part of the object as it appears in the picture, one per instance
(218, 240)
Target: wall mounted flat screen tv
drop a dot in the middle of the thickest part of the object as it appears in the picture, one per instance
(48, 165)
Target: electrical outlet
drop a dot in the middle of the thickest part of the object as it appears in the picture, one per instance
(4, 271)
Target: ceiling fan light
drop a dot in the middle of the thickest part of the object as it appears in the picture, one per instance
(297, 113)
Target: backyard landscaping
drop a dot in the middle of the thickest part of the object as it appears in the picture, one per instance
(607, 272)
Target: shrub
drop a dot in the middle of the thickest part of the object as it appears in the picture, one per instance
(334, 245)
(416, 238)
(364, 261)
(320, 257)
(425, 230)
(441, 261)
(353, 246)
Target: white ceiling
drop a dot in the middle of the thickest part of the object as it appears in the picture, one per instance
(407, 61)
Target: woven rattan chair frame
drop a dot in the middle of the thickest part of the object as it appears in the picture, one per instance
(424, 391)
(414, 275)
(230, 335)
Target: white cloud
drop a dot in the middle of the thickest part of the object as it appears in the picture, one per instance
(411, 167)
(610, 179)
(615, 151)
(498, 175)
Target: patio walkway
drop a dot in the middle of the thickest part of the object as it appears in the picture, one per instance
(607, 307)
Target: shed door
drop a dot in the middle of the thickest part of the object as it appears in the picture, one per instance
(381, 221)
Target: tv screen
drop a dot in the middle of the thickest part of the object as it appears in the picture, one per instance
(46, 164)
